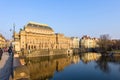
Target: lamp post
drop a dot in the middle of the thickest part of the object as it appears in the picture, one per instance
(13, 38)
(12, 72)
(13, 50)
(14, 31)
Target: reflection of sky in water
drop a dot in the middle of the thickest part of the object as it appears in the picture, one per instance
(88, 71)
(94, 70)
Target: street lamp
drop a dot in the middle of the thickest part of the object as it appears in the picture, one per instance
(12, 72)
(14, 31)
(13, 36)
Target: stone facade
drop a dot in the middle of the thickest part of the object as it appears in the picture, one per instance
(88, 42)
(2, 41)
(75, 42)
(40, 36)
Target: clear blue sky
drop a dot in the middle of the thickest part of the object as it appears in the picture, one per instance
(70, 17)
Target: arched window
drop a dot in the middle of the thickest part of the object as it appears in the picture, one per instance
(29, 47)
(32, 46)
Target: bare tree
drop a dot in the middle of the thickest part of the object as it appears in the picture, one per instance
(104, 42)
(116, 44)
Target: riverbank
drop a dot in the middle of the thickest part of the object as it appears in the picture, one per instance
(45, 52)
(111, 53)
(20, 70)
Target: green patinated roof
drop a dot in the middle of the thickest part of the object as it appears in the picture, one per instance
(38, 25)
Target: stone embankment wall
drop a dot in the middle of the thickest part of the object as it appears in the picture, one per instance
(48, 52)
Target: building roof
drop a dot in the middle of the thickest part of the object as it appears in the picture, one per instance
(86, 37)
(38, 25)
(2, 36)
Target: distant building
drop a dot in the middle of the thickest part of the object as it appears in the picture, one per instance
(88, 42)
(75, 42)
(40, 36)
(2, 41)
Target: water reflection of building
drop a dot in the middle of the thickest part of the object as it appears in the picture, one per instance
(40, 36)
(75, 59)
(87, 57)
(2, 41)
(62, 63)
(44, 69)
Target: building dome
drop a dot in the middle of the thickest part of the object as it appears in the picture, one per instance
(38, 28)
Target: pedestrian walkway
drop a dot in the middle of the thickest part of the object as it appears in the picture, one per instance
(6, 66)
(16, 61)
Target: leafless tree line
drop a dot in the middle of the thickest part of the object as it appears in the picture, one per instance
(107, 44)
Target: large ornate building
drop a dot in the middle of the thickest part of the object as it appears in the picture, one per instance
(40, 36)
(2, 41)
(88, 42)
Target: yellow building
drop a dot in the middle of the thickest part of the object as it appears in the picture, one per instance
(2, 41)
(75, 42)
(88, 42)
(40, 36)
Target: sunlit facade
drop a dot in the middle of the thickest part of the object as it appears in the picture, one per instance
(2, 41)
(75, 42)
(88, 42)
(40, 36)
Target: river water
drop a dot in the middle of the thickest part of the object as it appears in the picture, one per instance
(87, 66)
